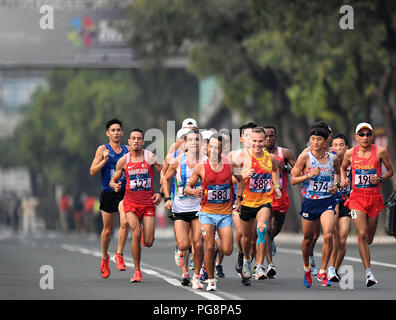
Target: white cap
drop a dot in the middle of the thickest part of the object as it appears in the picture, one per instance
(206, 134)
(182, 132)
(189, 122)
(363, 125)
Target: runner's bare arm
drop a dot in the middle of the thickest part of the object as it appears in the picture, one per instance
(100, 159)
(383, 155)
(333, 189)
(290, 159)
(165, 180)
(197, 174)
(344, 166)
(114, 184)
(297, 175)
(275, 178)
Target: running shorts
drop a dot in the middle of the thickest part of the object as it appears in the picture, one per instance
(312, 209)
(185, 216)
(249, 213)
(109, 201)
(281, 205)
(368, 203)
(139, 209)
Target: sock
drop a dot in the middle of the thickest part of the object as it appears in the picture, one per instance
(307, 268)
(368, 270)
(322, 271)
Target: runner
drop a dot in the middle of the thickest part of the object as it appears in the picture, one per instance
(216, 204)
(285, 160)
(312, 260)
(105, 161)
(343, 218)
(366, 201)
(245, 137)
(139, 200)
(184, 207)
(261, 180)
(318, 171)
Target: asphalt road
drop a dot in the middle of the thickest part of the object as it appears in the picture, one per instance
(27, 264)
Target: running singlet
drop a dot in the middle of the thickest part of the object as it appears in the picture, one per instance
(318, 186)
(181, 201)
(139, 181)
(363, 169)
(110, 166)
(217, 190)
(258, 188)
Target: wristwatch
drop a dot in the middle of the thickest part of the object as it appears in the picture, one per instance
(240, 197)
(167, 198)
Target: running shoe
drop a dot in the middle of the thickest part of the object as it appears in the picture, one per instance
(104, 268)
(273, 247)
(219, 271)
(239, 263)
(203, 275)
(307, 278)
(247, 268)
(370, 280)
(180, 257)
(137, 277)
(314, 269)
(196, 283)
(118, 259)
(246, 282)
(185, 281)
(332, 275)
(211, 285)
(322, 277)
(271, 272)
(260, 272)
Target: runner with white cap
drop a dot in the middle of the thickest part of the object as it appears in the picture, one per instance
(366, 201)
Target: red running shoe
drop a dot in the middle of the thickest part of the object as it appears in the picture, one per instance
(137, 277)
(322, 277)
(119, 261)
(104, 268)
(307, 279)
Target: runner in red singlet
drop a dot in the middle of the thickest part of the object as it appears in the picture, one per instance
(366, 201)
(139, 200)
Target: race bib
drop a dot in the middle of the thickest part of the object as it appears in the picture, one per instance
(181, 191)
(260, 182)
(140, 182)
(219, 193)
(319, 186)
(363, 178)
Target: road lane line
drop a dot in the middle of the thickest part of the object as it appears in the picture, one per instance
(172, 281)
(373, 262)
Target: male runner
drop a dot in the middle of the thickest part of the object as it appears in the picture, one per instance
(318, 170)
(105, 161)
(215, 174)
(245, 137)
(366, 201)
(343, 218)
(312, 260)
(139, 200)
(261, 180)
(184, 207)
(284, 158)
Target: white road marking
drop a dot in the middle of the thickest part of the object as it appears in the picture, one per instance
(172, 281)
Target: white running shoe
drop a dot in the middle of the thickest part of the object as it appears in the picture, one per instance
(332, 275)
(180, 257)
(211, 285)
(260, 272)
(370, 280)
(247, 268)
(196, 283)
(314, 269)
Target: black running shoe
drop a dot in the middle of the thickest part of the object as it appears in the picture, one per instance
(245, 281)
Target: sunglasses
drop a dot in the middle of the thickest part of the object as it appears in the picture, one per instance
(368, 134)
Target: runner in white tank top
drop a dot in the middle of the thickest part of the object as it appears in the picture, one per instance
(184, 207)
